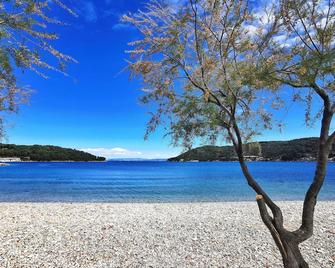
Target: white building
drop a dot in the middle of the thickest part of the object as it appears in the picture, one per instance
(10, 159)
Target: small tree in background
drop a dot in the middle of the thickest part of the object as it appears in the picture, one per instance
(213, 69)
(24, 40)
(253, 149)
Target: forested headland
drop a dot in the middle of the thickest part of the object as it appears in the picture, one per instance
(304, 149)
(45, 153)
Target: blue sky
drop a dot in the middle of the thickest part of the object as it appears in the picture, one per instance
(97, 107)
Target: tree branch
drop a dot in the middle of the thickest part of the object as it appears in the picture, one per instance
(324, 96)
(278, 217)
(268, 221)
(306, 229)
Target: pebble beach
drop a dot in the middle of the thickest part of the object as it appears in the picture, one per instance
(153, 235)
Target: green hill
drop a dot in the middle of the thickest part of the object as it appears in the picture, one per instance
(293, 150)
(45, 153)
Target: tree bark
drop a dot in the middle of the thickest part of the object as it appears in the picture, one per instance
(294, 258)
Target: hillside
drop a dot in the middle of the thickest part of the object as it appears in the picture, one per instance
(293, 150)
(45, 153)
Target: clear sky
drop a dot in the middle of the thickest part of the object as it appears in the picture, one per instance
(97, 107)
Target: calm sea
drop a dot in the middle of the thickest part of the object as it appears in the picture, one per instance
(150, 181)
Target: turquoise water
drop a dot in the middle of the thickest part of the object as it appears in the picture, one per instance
(149, 181)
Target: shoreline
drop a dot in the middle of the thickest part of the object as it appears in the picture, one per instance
(220, 234)
(53, 161)
(249, 161)
(146, 202)
(172, 161)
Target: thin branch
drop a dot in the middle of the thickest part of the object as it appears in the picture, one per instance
(306, 30)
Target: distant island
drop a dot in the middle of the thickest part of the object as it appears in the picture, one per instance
(304, 149)
(12, 152)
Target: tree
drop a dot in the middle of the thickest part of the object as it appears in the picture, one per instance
(253, 148)
(215, 68)
(24, 41)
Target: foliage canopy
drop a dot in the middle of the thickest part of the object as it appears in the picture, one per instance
(202, 62)
(215, 68)
(25, 43)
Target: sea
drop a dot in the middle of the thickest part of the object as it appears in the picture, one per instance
(156, 181)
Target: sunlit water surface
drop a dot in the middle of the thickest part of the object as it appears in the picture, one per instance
(156, 181)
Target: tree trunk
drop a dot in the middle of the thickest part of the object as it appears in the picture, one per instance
(293, 257)
(286, 241)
